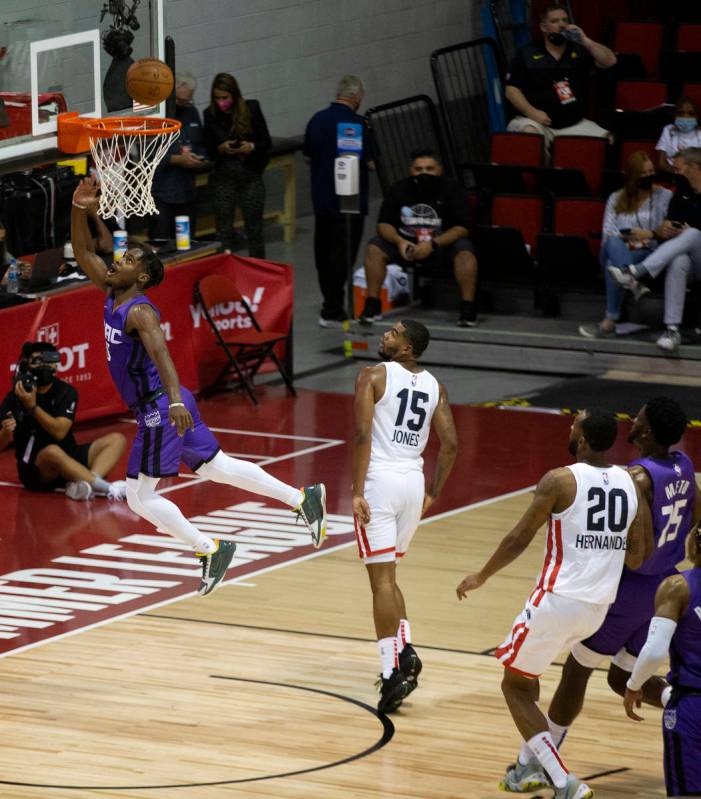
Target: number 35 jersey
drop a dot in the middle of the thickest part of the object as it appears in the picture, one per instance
(672, 506)
(402, 420)
(586, 543)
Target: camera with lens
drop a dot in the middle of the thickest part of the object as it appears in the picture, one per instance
(28, 376)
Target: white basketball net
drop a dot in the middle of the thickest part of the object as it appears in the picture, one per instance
(126, 163)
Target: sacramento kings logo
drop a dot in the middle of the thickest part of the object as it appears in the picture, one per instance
(670, 719)
(152, 419)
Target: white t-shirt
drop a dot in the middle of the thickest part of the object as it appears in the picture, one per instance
(402, 419)
(649, 216)
(672, 140)
(586, 544)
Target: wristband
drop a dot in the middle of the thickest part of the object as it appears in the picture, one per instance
(176, 404)
(76, 205)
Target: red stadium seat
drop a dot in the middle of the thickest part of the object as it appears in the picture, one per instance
(586, 153)
(643, 38)
(689, 37)
(640, 95)
(631, 145)
(521, 212)
(692, 90)
(524, 149)
(580, 217)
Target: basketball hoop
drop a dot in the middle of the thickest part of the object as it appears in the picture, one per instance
(126, 152)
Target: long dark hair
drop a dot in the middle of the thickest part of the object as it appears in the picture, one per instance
(240, 114)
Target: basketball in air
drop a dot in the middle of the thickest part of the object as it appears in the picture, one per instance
(149, 81)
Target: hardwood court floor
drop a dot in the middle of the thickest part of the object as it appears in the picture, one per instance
(214, 697)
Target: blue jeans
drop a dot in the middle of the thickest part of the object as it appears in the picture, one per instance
(615, 252)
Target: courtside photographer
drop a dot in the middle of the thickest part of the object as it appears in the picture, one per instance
(38, 413)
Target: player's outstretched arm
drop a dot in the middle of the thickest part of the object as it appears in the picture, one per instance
(363, 412)
(640, 541)
(143, 321)
(444, 425)
(671, 602)
(85, 202)
(547, 494)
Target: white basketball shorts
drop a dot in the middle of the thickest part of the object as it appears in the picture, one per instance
(395, 502)
(548, 625)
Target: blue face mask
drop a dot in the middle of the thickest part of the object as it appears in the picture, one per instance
(685, 124)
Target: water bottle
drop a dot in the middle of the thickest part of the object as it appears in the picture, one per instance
(13, 278)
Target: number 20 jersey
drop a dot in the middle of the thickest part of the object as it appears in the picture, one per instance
(402, 420)
(672, 506)
(586, 543)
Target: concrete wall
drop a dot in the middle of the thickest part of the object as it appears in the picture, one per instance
(289, 54)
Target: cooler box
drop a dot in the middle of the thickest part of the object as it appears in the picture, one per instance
(395, 291)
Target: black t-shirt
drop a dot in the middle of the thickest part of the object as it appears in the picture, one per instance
(557, 87)
(422, 207)
(30, 437)
(685, 206)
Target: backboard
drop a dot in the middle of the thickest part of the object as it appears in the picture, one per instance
(69, 55)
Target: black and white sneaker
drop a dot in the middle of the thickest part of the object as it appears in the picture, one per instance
(313, 512)
(214, 565)
(393, 690)
(372, 311)
(410, 665)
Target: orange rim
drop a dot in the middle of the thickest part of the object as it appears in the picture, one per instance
(75, 132)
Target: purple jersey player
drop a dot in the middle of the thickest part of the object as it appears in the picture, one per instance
(169, 428)
(676, 629)
(666, 480)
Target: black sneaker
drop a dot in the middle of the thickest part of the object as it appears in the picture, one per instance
(372, 312)
(214, 566)
(313, 512)
(410, 665)
(393, 690)
(468, 314)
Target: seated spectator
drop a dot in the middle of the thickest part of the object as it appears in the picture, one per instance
(680, 135)
(237, 140)
(631, 217)
(5, 255)
(679, 253)
(547, 85)
(423, 222)
(174, 181)
(38, 413)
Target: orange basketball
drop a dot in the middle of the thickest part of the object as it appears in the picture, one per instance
(149, 81)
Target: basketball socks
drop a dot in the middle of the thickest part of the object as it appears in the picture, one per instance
(558, 733)
(99, 484)
(403, 635)
(545, 750)
(389, 655)
(525, 754)
(164, 514)
(250, 477)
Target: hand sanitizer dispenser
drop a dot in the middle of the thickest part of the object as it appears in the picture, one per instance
(347, 175)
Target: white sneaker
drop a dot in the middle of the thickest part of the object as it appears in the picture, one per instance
(670, 340)
(575, 789)
(80, 490)
(524, 779)
(625, 279)
(117, 490)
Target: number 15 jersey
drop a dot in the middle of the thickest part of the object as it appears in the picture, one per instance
(586, 544)
(402, 420)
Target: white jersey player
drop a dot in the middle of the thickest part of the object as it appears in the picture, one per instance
(596, 523)
(396, 403)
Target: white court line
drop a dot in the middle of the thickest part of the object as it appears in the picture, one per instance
(318, 553)
(12, 485)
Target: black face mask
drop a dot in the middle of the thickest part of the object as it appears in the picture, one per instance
(44, 376)
(557, 39)
(645, 183)
(425, 180)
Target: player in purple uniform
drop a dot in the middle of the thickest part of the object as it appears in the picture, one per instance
(666, 480)
(676, 630)
(169, 428)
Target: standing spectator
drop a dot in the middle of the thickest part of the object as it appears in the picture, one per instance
(679, 253)
(423, 222)
(681, 134)
(174, 181)
(631, 217)
(547, 85)
(332, 247)
(237, 140)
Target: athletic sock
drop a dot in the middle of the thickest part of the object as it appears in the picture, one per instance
(403, 634)
(666, 695)
(545, 750)
(526, 755)
(99, 484)
(558, 733)
(250, 477)
(389, 655)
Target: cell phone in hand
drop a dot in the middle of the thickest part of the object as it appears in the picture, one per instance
(625, 231)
